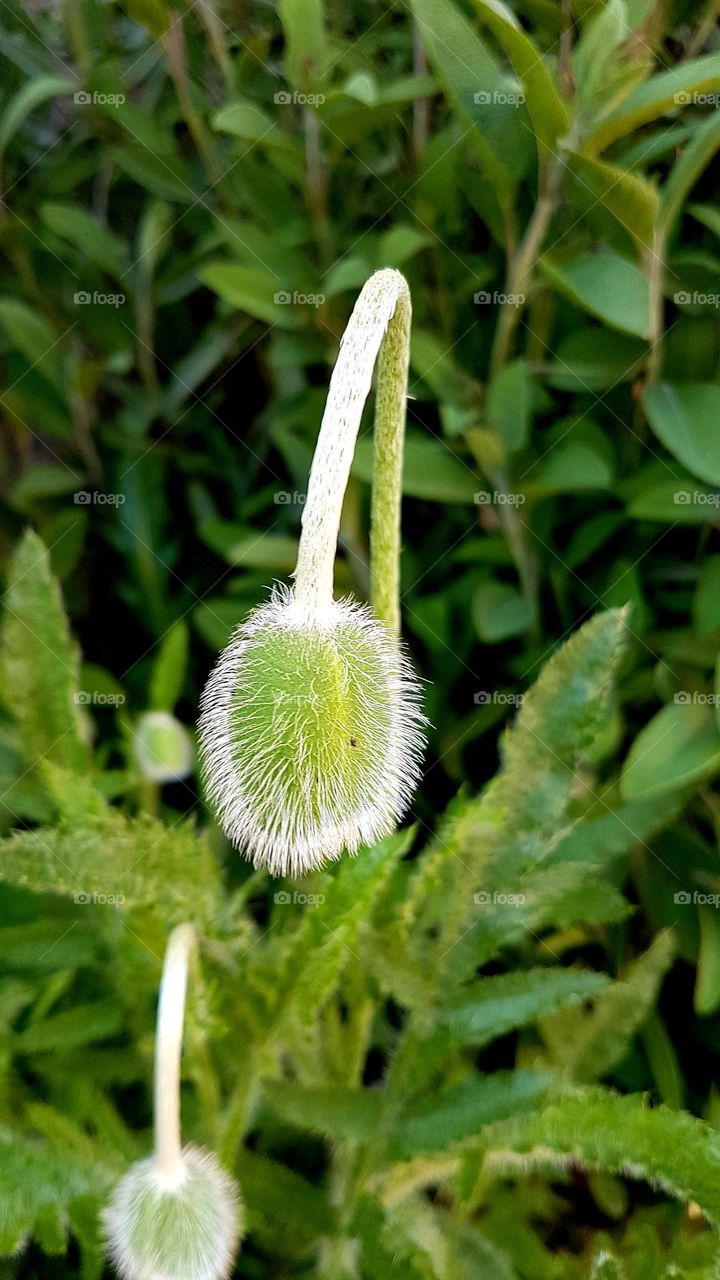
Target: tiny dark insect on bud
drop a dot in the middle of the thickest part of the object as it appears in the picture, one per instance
(353, 742)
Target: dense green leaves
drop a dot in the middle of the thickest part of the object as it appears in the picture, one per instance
(383, 1051)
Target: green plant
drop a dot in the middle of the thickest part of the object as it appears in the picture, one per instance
(311, 731)
(487, 1045)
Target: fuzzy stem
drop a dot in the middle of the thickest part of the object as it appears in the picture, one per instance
(380, 323)
(168, 1048)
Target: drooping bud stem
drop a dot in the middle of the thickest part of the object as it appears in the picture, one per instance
(311, 730)
(176, 1215)
(378, 329)
(168, 1050)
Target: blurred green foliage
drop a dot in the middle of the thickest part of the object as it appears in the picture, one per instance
(191, 200)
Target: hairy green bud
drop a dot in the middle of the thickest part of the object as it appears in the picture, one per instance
(311, 733)
(179, 1227)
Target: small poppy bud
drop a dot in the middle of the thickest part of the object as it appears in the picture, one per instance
(163, 747)
(179, 1227)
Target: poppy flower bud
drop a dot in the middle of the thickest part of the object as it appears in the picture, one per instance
(311, 733)
(182, 1227)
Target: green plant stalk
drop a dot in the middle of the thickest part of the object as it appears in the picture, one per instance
(378, 330)
(523, 262)
(655, 266)
(386, 502)
(168, 1049)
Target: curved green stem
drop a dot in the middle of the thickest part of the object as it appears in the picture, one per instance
(378, 329)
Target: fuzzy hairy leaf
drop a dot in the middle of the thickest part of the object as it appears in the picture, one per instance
(589, 1045)
(39, 662)
(130, 863)
(671, 1150)
(503, 1003)
(457, 1112)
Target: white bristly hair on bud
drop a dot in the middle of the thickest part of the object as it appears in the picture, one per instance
(311, 732)
(176, 1215)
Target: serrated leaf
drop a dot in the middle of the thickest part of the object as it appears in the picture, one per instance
(588, 1045)
(495, 1006)
(459, 1111)
(39, 662)
(596, 1129)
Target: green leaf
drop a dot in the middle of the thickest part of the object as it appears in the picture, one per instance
(597, 1130)
(305, 41)
(503, 1003)
(252, 548)
(31, 334)
(665, 91)
(706, 602)
(680, 745)
(480, 92)
(569, 467)
(596, 50)
(589, 1045)
(693, 159)
(431, 470)
(252, 290)
(706, 997)
(88, 235)
(605, 1266)
(284, 1207)
(607, 286)
(328, 1110)
(499, 612)
(546, 108)
(459, 1111)
(118, 863)
(509, 404)
(594, 359)
(168, 674)
(162, 174)
(80, 1025)
(32, 94)
(631, 199)
(39, 662)
(681, 501)
(680, 414)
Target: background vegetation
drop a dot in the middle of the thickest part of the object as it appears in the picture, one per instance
(192, 198)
